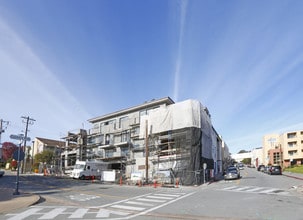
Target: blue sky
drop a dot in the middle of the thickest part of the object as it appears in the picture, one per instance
(63, 62)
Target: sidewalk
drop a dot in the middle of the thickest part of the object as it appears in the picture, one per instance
(298, 176)
(10, 202)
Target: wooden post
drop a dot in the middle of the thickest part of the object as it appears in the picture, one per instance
(146, 152)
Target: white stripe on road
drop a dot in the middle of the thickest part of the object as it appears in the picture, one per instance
(138, 203)
(150, 200)
(168, 195)
(105, 213)
(79, 213)
(242, 188)
(229, 188)
(128, 207)
(158, 197)
(268, 191)
(255, 189)
(25, 214)
(52, 214)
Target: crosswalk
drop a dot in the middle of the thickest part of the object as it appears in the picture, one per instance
(256, 189)
(124, 209)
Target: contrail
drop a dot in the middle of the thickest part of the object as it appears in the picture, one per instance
(183, 7)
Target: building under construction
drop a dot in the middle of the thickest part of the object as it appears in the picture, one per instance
(159, 139)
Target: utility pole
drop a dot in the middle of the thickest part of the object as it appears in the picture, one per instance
(146, 152)
(3, 126)
(28, 121)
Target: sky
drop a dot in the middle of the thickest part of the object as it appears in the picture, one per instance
(63, 62)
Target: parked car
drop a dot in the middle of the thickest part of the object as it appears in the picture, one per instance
(275, 170)
(232, 173)
(266, 169)
(261, 168)
(1, 173)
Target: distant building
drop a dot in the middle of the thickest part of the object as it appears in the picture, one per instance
(157, 136)
(257, 156)
(56, 146)
(241, 156)
(284, 149)
(270, 143)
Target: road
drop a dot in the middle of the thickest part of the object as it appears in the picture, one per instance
(255, 196)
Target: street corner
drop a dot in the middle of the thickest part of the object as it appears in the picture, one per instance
(16, 202)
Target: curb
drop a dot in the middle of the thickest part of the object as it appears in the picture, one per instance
(18, 202)
(294, 177)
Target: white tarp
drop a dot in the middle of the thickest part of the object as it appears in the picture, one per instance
(176, 116)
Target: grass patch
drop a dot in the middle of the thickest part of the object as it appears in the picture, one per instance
(297, 169)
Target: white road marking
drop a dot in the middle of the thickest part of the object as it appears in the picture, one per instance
(242, 188)
(123, 209)
(150, 200)
(79, 213)
(158, 197)
(232, 187)
(139, 203)
(105, 213)
(255, 189)
(128, 207)
(167, 195)
(25, 214)
(268, 191)
(53, 213)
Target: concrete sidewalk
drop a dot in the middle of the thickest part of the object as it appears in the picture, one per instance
(10, 202)
(298, 176)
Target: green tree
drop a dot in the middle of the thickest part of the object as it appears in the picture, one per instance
(246, 161)
(45, 156)
(242, 151)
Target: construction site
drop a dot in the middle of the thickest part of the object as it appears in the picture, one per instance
(159, 140)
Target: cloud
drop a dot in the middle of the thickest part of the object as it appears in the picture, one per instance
(183, 9)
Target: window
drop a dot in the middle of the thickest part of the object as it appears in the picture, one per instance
(292, 144)
(109, 153)
(124, 151)
(291, 153)
(123, 122)
(125, 136)
(136, 131)
(292, 135)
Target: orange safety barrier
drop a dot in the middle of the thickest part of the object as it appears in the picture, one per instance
(155, 184)
(120, 180)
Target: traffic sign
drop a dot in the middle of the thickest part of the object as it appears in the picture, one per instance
(19, 137)
(21, 155)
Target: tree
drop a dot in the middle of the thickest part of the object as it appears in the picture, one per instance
(46, 156)
(8, 149)
(246, 161)
(243, 151)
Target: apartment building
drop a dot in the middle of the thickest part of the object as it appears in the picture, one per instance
(158, 136)
(292, 145)
(285, 149)
(271, 142)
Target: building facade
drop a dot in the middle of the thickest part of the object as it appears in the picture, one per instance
(292, 145)
(159, 136)
(284, 149)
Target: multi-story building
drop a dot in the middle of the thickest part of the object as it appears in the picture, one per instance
(284, 149)
(292, 145)
(270, 142)
(158, 136)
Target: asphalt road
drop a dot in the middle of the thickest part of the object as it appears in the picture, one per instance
(255, 196)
